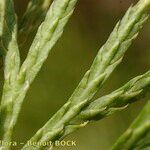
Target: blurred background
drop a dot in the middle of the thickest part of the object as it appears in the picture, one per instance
(86, 32)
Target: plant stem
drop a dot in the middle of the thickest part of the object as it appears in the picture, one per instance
(47, 35)
(11, 69)
(98, 109)
(118, 99)
(137, 137)
(109, 56)
(111, 103)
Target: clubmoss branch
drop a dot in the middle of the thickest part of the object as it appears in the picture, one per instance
(98, 109)
(11, 67)
(109, 56)
(111, 103)
(118, 99)
(80, 109)
(47, 35)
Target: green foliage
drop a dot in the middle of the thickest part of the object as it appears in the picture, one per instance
(47, 35)
(98, 109)
(109, 56)
(11, 67)
(79, 109)
(118, 99)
